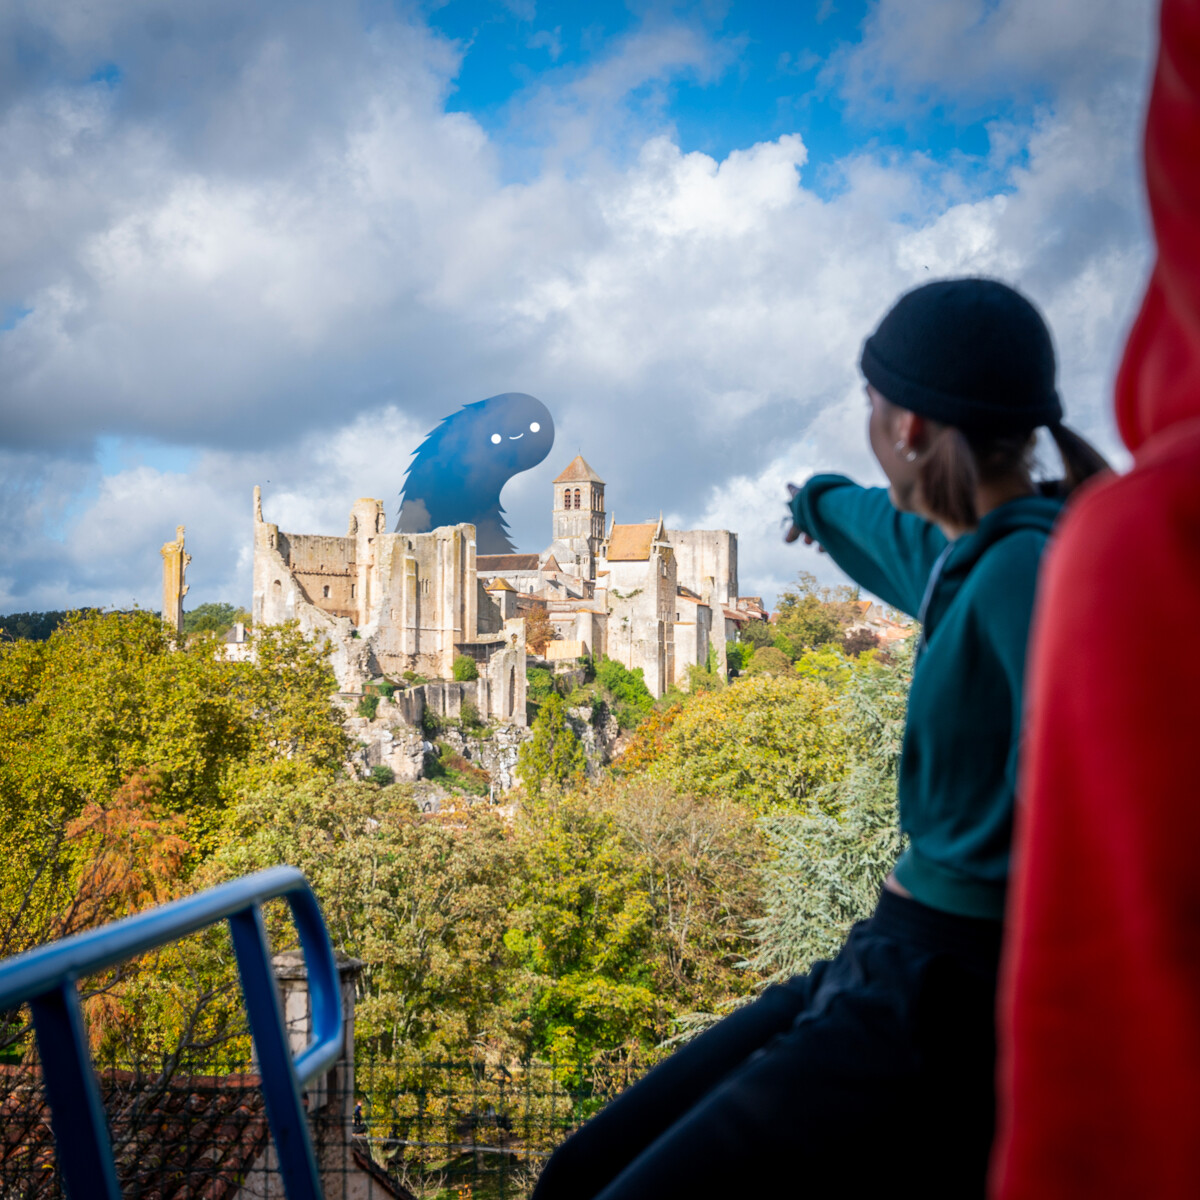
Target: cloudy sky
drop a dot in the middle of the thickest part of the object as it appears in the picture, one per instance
(275, 243)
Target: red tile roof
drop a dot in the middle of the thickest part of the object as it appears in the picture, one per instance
(192, 1136)
(630, 543)
(578, 471)
(197, 1137)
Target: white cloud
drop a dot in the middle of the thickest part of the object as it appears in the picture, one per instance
(299, 290)
(967, 51)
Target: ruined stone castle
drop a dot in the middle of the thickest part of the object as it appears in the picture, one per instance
(391, 603)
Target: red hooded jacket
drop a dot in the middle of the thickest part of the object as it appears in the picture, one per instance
(1100, 1005)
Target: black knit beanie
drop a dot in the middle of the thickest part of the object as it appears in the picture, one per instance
(971, 353)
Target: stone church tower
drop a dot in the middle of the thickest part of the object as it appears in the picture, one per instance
(578, 519)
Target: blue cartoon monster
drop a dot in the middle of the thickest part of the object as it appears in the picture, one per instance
(459, 470)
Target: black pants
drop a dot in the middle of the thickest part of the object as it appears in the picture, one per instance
(872, 1073)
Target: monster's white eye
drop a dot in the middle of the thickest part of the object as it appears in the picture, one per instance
(534, 427)
(496, 439)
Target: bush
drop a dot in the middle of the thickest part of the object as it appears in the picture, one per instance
(456, 772)
(632, 699)
(700, 680)
(431, 726)
(468, 716)
(367, 707)
(464, 669)
(539, 684)
(382, 775)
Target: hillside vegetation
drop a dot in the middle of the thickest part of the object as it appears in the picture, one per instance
(744, 826)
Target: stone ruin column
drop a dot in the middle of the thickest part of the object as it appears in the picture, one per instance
(175, 564)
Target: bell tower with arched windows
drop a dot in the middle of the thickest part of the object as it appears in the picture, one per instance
(578, 517)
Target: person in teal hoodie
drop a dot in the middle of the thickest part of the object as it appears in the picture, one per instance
(875, 1070)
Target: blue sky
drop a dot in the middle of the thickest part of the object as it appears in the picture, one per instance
(275, 243)
(772, 78)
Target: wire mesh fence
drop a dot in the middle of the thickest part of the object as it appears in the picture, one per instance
(382, 1126)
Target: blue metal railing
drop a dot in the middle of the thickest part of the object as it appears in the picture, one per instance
(45, 980)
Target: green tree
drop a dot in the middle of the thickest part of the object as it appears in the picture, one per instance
(422, 901)
(34, 626)
(757, 633)
(580, 932)
(768, 660)
(738, 654)
(464, 669)
(631, 909)
(553, 756)
(766, 741)
(214, 618)
(112, 696)
(810, 615)
(830, 862)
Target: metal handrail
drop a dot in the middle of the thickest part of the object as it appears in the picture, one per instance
(44, 979)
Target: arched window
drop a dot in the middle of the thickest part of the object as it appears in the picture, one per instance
(576, 497)
(325, 591)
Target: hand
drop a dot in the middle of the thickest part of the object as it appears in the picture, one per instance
(794, 531)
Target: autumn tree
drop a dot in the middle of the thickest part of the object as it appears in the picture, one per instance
(649, 741)
(539, 630)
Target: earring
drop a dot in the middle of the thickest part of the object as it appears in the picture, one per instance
(906, 452)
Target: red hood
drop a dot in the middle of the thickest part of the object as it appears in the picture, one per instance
(1159, 382)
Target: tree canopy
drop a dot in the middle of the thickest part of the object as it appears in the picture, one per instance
(766, 741)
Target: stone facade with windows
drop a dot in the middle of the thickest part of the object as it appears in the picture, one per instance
(390, 603)
(644, 595)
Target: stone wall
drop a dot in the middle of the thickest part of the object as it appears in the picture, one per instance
(387, 603)
(706, 562)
